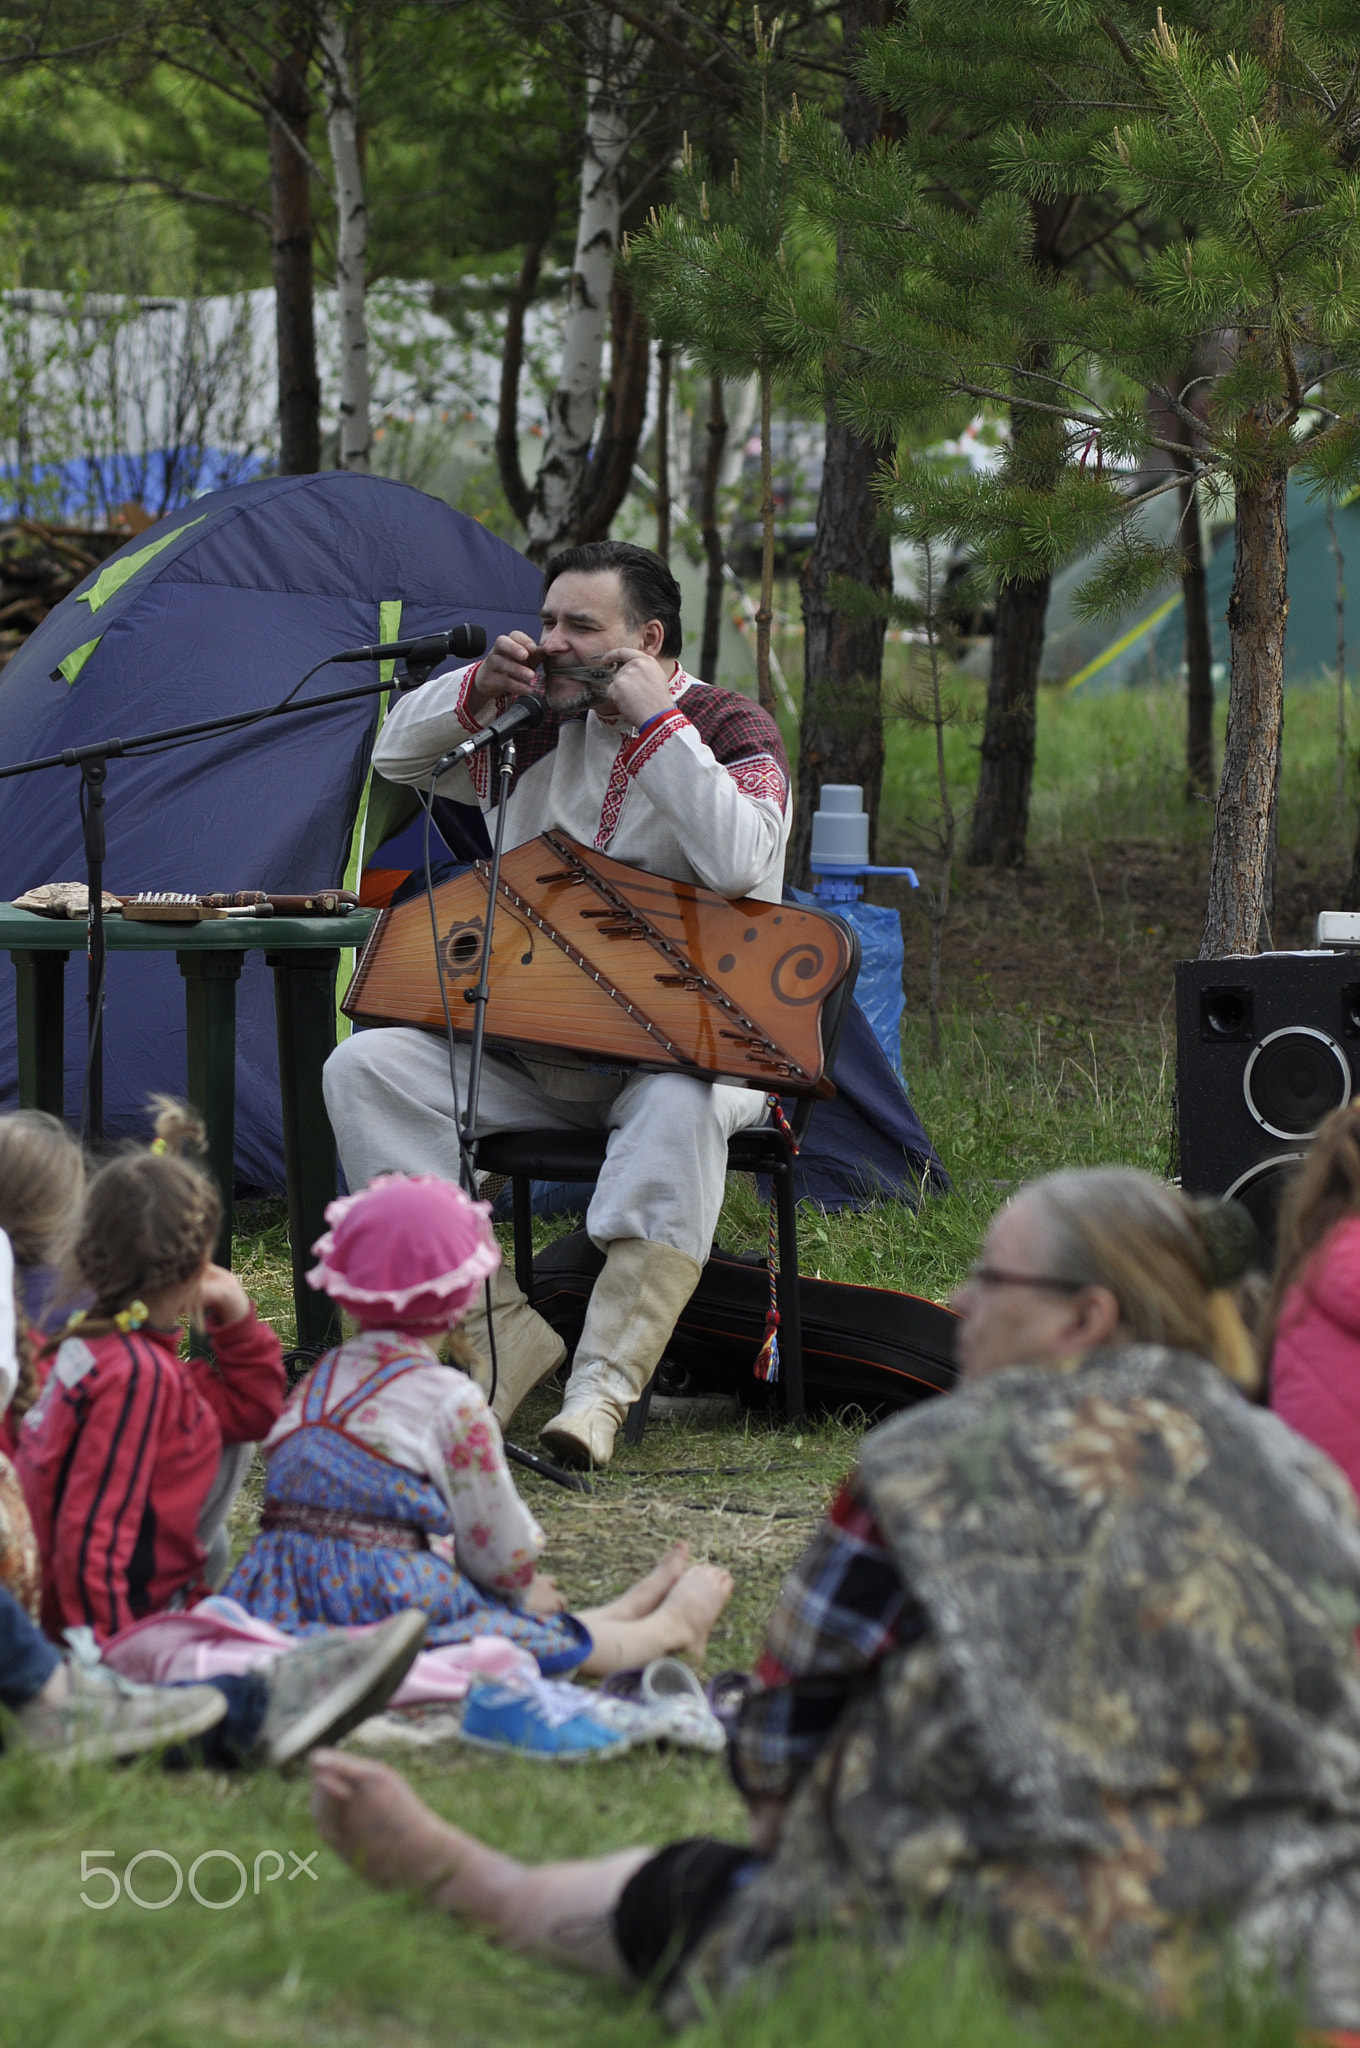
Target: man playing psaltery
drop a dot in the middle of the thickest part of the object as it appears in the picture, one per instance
(664, 773)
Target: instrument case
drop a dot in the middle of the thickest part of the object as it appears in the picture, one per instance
(863, 1347)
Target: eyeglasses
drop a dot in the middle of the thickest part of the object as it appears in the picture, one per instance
(992, 1276)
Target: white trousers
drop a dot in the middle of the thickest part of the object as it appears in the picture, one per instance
(390, 1103)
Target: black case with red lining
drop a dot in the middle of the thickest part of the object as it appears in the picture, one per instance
(863, 1347)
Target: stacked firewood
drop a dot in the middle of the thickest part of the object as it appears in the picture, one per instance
(40, 564)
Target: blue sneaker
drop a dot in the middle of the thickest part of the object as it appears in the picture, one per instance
(539, 1719)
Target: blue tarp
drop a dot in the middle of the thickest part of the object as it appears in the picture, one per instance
(221, 607)
(93, 486)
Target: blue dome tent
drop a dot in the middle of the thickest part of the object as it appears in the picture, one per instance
(219, 608)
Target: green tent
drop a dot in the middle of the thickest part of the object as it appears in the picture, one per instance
(1149, 646)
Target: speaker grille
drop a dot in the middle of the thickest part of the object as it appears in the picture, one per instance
(1261, 1188)
(1294, 1078)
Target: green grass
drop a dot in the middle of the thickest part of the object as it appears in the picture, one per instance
(1020, 1087)
(1113, 767)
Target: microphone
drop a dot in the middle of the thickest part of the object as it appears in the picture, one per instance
(525, 713)
(465, 641)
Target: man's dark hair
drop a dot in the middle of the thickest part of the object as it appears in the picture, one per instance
(649, 589)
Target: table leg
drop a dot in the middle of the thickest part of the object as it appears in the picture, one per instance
(41, 1019)
(304, 1007)
(210, 1010)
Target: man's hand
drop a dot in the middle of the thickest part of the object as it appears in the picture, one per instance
(640, 688)
(509, 670)
(221, 1298)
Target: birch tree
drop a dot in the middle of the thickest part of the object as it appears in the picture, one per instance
(351, 242)
(554, 513)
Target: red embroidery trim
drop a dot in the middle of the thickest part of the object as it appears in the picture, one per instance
(761, 777)
(479, 767)
(637, 753)
(613, 799)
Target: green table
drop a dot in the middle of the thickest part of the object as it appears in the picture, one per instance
(304, 953)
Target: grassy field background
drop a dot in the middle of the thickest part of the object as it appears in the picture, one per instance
(1057, 1049)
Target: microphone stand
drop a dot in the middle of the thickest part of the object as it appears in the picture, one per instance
(468, 1139)
(93, 776)
(481, 994)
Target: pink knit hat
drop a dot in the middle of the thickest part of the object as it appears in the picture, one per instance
(408, 1252)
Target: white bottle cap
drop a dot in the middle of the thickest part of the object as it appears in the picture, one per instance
(840, 827)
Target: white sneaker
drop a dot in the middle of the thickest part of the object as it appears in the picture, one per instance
(319, 1691)
(105, 1716)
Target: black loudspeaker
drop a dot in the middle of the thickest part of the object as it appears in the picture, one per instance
(1265, 1049)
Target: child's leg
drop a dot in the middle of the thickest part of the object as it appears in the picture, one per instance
(563, 1911)
(681, 1622)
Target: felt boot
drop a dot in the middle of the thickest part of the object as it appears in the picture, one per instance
(527, 1348)
(634, 1306)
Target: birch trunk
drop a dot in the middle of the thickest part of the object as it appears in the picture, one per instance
(351, 246)
(1241, 863)
(571, 413)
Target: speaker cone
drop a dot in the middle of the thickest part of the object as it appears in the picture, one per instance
(1293, 1078)
(1260, 1190)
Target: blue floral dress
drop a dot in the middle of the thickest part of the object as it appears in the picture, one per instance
(350, 1535)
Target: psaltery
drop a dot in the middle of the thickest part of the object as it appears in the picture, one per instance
(591, 957)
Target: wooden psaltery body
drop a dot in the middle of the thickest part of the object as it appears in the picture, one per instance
(589, 956)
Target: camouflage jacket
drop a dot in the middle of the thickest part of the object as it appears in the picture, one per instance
(1134, 1728)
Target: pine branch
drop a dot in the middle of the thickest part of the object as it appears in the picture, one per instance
(173, 190)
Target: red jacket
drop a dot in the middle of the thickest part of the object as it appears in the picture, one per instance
(117, 1458)
(1315, 1367)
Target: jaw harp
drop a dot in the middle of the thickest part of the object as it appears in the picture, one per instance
(585, 672)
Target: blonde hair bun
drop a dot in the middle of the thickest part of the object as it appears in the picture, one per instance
(178, 1126)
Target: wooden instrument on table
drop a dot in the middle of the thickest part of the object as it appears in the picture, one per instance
(170, 906)
(592, 957)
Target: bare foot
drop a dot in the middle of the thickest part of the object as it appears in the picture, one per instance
(370, 1815)
(693, 1605)
(647, 1595)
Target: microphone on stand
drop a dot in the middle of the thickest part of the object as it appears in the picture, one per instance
(525, 713)
(465, 642)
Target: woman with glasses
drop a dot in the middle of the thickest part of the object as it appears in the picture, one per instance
(1071, 1657)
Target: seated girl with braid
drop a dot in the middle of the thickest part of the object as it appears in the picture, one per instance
(387, 1482)
(131, 1455)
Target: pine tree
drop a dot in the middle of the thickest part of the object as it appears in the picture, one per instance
(1228, 135)
(840, 731)
(713, 267)
(956, 72)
